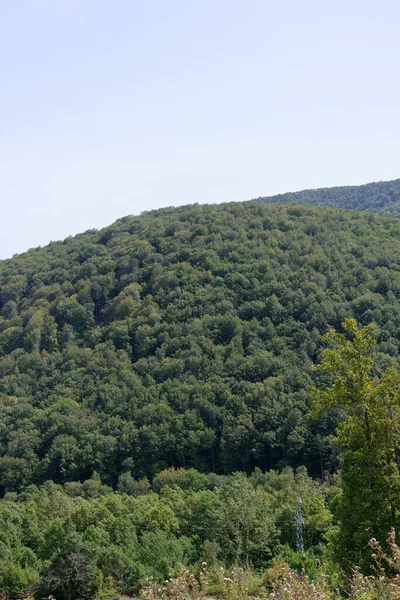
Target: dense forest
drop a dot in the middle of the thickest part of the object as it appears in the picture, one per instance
(184, 338)
(83, 538)
(382, 198)
(144, 365)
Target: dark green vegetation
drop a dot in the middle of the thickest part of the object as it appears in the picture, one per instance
(382, 198)
(183, 338)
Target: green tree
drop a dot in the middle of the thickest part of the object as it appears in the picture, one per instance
(17, 579)
(368, 434)
(72, 573)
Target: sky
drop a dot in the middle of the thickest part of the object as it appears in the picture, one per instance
(110, 108)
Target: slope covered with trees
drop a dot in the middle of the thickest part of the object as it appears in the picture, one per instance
(143, 365)
(185, 338)
(382, 198)
(84, 541)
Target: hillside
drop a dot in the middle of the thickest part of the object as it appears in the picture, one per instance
(382, 198)
(184, 337)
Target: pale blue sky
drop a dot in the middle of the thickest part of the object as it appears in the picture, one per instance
(113, 107)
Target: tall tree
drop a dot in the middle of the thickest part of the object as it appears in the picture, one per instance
(368, 433)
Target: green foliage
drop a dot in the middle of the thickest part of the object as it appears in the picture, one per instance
(183, 478)
(71, 574)
(368, 433)
(137, 359)
(382, 198)
(184, 338)
(78, 545)
(17, 579)
(129, 485)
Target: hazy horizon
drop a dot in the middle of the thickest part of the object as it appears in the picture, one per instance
(75, 233)
(113, 110)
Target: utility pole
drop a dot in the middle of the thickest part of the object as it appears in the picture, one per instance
(299, 526)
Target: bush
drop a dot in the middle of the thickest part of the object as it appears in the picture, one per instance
(16, 580)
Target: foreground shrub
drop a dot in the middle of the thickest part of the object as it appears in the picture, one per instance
(238, 584)
(294, 586)
(183, 586)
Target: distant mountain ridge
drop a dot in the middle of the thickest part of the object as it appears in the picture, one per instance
(382, 198)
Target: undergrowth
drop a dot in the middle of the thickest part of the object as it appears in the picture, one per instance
(282, 582)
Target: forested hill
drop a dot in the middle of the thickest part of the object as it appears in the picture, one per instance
(184, 337)
(382, 198)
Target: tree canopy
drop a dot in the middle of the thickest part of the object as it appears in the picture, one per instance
(185, 338)
(83, 541)
(382, 198)
(144, 365)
